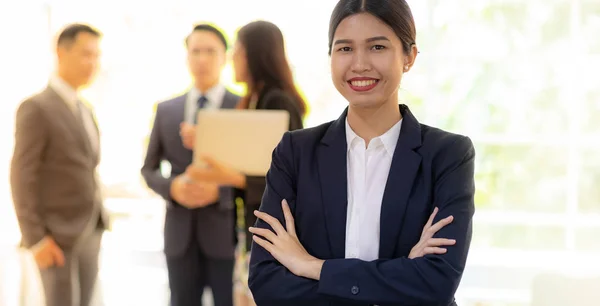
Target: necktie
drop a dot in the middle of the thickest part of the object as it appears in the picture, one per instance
(201, 104)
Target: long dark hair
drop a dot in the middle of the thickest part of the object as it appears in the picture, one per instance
(267, 63)
(394, 13)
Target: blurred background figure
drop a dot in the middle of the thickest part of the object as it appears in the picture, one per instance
(199, 229)
(56, 193)
(260, 62)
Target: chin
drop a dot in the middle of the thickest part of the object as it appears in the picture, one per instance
(364, 100)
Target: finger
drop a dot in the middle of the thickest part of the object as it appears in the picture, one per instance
(435, 242)
(289, 218)
(195, 192)
(440, 224)
(208, 160)
(192, 170)
(430, 221)
(44, 264)
(263, 243)
(43, 261)
(273, 222)
(59, 257)
(203, 174)
(433, 250)
(266, 233)
(205, 187)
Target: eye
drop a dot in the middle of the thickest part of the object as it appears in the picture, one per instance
(378, 47)
(345, 49)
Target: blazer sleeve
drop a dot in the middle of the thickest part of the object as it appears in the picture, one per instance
(270, 282)
(31, 137)
(154, 156)
(432, 279)
(255, 185)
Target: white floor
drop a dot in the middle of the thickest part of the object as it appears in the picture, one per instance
(125, 279)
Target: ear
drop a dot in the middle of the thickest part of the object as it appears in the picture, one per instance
(410, 58)
(59, 51)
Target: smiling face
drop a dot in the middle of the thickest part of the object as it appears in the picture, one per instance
(367, 61)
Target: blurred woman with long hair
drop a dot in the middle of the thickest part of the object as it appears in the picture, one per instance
(260, 62)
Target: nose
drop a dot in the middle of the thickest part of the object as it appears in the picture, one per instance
(360, 62)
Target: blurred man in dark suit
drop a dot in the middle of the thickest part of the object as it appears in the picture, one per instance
(199, 231)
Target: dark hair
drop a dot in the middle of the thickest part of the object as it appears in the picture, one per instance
(394, 13)
(267, 62)
(209, 28)
(70, 32)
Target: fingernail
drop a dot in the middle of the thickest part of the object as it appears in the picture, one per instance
(256, 212)
(453, 241)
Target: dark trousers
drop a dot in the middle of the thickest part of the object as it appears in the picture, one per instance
(73, 284)
(191, 272)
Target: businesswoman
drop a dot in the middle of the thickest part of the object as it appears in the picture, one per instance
(346, 215)
(260, 62)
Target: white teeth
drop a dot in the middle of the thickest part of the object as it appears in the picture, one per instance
(362, 83)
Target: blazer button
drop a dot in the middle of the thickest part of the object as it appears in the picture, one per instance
(354, 290)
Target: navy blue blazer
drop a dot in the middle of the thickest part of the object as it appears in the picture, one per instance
(430, 168)
(212, 227)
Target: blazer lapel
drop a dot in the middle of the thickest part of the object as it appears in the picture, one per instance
(331, 160)
(97, 131)
(405, 166)
(66, 115)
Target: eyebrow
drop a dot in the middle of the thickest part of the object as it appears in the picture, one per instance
(372, 39)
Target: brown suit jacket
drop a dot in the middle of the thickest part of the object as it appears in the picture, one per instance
(53, 172)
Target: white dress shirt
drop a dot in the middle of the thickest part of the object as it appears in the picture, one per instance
(214, 98)
(71, 98)
(367, 170)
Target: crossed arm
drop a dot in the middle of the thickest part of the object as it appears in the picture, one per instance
(281, 272)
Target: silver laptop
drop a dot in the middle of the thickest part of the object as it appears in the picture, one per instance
(242, 139)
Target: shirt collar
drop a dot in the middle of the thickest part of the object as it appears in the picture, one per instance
(389, 139)
(214, 94)
(64, 90)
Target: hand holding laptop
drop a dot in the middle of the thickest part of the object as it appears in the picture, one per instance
(216, 172)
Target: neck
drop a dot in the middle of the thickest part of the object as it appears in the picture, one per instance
(204, 86)
(369, 123)
(68, 80)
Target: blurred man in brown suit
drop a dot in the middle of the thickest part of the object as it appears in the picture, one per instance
(55, 190)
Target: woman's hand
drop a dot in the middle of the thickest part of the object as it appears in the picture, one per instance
(284, 246)
(428, 244)
(217, 173)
